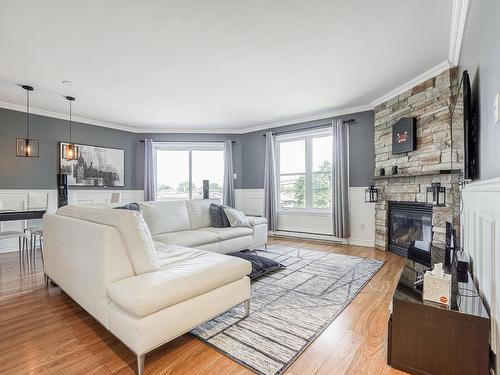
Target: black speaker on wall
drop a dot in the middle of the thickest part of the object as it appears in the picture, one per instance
(62, 189)
(206, 189)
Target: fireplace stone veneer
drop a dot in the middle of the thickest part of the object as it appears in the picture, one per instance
(431, 104)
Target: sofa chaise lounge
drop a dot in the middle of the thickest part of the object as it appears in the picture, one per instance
(145, 291)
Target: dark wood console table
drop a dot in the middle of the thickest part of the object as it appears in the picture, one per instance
(430, 338)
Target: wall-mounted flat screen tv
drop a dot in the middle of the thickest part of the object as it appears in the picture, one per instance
(470, 131)
(465, 128)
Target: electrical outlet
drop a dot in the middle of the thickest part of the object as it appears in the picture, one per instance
(235, 176)
(362, 226)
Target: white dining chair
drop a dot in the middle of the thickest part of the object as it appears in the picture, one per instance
(10, 234)
(36, 201)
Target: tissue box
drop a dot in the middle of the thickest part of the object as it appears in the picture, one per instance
(437, 288)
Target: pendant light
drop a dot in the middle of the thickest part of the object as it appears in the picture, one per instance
(27, 147)
(70, 150)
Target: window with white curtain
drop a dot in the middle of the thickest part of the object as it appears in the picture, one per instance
(304, 163)
(182, 167)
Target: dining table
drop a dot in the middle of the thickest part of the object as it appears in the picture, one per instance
(15, 215)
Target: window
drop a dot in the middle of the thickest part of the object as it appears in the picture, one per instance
(182, 167)
(304, 169)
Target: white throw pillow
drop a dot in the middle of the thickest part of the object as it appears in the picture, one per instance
(236, 218)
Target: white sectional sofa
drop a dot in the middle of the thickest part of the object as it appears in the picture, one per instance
(187, 223)
(147, 289)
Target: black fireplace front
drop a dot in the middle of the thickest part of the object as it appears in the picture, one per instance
(410, 228)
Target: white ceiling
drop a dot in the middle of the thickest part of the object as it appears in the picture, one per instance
(224, 65)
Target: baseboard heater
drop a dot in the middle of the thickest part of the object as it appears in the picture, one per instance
(306, 235)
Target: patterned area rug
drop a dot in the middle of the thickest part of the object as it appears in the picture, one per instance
(289, 308)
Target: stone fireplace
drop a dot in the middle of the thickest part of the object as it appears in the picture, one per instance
(436, 158)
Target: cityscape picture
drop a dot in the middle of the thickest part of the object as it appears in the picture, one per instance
(95, 166)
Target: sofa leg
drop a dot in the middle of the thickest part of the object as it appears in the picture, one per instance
(140, 364)
(46, 279)
(265, 246)
(247, 307)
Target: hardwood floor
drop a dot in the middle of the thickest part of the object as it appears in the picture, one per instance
(42, 331)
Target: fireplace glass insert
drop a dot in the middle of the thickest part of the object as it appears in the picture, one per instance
(410, 230)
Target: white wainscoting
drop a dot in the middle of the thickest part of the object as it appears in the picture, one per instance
(251, 201)
(17, 198)
(481, 239)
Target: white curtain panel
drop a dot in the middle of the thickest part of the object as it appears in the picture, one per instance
(149, 171)
(270, 184)
(228, 185)
(340, 179)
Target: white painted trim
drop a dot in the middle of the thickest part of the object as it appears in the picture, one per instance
(64, 116)
(176, 130)
(432, 72)
(305, 212)
(357, 242)
(322, 237)
(308, 117)
(491, 185)
(458, 18)
(308, 236)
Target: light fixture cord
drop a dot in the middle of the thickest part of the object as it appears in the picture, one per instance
(70, 121)
(27, 114)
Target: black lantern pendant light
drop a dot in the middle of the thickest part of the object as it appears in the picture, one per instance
(70, 150)
(436, 194)
(27, 147)
(371, 194)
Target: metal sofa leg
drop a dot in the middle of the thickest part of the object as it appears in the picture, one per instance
(265, 246)
(247, 307)
(140, 364)
(46, 279)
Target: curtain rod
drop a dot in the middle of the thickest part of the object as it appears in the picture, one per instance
(142, 141)
(349, 121)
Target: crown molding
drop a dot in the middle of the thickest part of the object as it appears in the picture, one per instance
(177, 130)
(458, 18)
(432, 72)
(167, 130)
(64, 116)
(307, 117)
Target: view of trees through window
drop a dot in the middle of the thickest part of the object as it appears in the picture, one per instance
(306, 172)
(180, 172)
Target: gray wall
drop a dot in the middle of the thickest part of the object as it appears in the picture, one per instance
(362, 150)
(248, 150)
(480, 56)
(40, 173)
(190, 137)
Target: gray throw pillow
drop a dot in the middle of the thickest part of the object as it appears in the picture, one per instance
(130, 206)
(236, 218)
(218, 218)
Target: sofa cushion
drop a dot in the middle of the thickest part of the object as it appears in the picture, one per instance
(166, 216)
(256, 220)
(228, 233)
(199, 212)
(133, 230)
(187, 238)
(184, 274)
